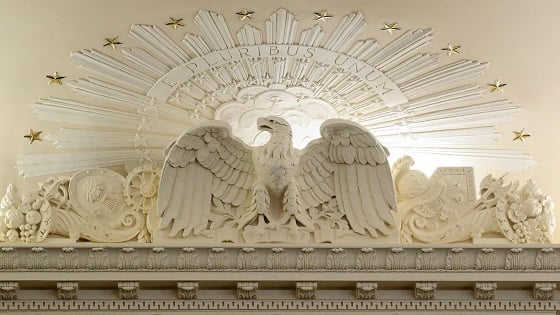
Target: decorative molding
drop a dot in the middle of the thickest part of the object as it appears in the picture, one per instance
(247, 290)
(187, 290)
(336, 259)
(8, 258)
(547, 259)
(516, 259)
(176, 282)
(365, 259)
(67, 259)
(268, 306)
(544, 290)
(217, 259)
(306, 290)
(157, 259)
(187, 259)
(67, 290)
(247, 259)
(37, 258)
(306, 259)
(455, 259)
(485, 290)
(366, 290)
(149, 258)
(97, 259)
(276, 259)
(396, 259)
(485, 259)
(128, 290)
(9, 290)
(128, 259)
(425, 259)
(425, 290)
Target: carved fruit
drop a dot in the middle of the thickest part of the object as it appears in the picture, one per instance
(33, 217)
(532, 207)
(14, 218)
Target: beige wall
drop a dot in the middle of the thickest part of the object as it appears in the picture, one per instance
(518, 38)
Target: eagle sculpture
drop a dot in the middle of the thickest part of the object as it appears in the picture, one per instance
(208, 172)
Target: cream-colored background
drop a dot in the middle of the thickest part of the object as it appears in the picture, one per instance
(519, 38)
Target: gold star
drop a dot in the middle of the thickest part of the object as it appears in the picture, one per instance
(55, 78)
(322, 16)
(245, 14)
(497, 86)
(451, 49)
(520, 135)
(113, 42)
(390, 27)
(33, 136)
(175, 23)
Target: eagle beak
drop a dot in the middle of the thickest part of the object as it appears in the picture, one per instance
(265, 124)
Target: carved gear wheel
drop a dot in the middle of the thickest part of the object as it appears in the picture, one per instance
(141, 189)
(141, 192)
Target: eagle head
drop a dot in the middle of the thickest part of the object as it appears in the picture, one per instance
(274, 124)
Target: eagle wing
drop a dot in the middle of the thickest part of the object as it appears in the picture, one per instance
(349, 164)
(204, 163)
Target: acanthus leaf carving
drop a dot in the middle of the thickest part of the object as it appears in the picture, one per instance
(485, 259)
(365, 259)
(97, 259)
(67, 290)
(217, 259)
(306, 290)
(187, 290)
(544, 290)
(277, 259)
(247, 259)
(187, 259)
(516, 259)
(128, 290)
(157, 259)
(9, 290)
(396, 259)
(336, 259)
(366, 290)
(425, 259)
(306, 259)
(247, 290)
(485, 290)
(67, 259)
(425, 290)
